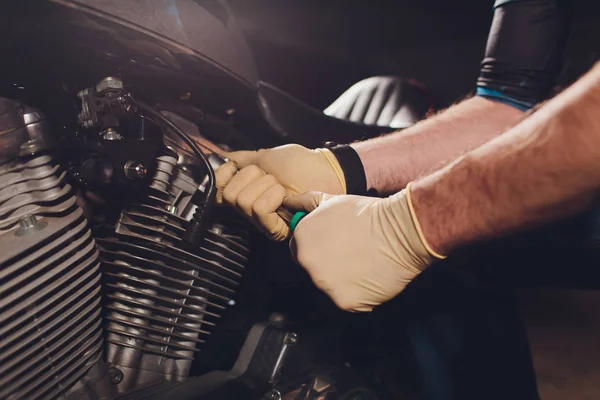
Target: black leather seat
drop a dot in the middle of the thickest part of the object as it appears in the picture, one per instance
(369, 108)
(383, 101)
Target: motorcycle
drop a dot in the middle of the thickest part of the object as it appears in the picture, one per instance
(120, 276)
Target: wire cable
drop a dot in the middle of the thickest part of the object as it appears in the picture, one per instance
(210, 187)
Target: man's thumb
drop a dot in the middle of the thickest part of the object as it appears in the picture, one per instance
(308, 201)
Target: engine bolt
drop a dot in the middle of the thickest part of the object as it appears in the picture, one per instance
(290, 339)
(115, 376)
(273, 395)
(172, 209)
(135, 170)
(277, 319)
(109, 83)
(110, 134)
(29, 224)
(31, 147)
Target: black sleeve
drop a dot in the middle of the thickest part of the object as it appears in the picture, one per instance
(524, 51)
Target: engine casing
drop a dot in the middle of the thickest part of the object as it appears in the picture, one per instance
(50, 288)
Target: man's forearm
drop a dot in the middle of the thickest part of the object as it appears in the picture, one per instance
(545, 168)
(392, 161)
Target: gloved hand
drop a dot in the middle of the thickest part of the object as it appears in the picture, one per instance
(360, 251)
(266, 177)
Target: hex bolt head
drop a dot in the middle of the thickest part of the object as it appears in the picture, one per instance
(109, 83)
(29, 224)
(273, 395)
(291, 339)
(115, 376)
(31, 147)
(110, 135)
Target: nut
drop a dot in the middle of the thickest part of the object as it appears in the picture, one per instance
(111, 134)
(273, 395)
(291, 339)
(109, 83)
(31, 147)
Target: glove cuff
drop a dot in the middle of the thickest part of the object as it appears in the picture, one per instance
(418, 226)
(352, 167)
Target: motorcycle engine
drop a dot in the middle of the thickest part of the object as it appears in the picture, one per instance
(115, 266)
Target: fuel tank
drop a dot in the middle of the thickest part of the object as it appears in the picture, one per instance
(201, 29)
(180, 49)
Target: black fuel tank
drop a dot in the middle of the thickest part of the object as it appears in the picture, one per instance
(175, 48)
(204, 28)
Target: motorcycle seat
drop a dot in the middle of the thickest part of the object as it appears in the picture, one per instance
(368, 109)
(383, 101)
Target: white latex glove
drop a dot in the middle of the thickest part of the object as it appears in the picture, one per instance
(360, 251)
(266, 177)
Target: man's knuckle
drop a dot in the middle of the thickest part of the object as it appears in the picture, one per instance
(266, 205)
(295, 147)
(304, 258)
(299, 234)
(320, 281)
(270, 180)
(245, 202)
(253, 170)
(229, 195)
(260, 207)
(344, 302)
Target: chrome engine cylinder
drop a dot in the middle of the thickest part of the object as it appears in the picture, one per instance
(161, 295)
(50, 288)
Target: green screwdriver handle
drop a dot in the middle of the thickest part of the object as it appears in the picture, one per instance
(292, 219)
(296, 219)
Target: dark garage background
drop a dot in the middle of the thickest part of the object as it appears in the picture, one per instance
(316, 49)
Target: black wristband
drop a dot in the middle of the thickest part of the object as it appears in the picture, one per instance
(354, 172)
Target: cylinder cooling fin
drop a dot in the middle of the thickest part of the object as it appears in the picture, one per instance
(102, 313)
(50, 284)
(161, 295)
